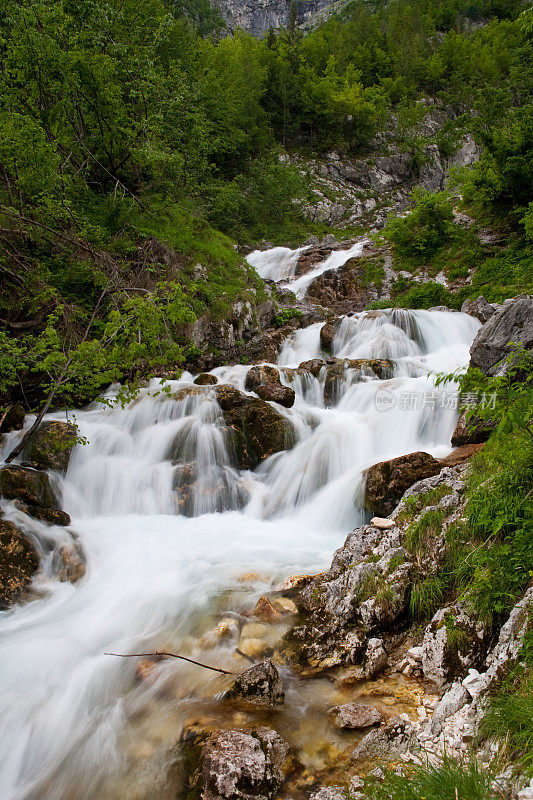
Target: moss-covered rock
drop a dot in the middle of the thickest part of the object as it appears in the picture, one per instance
(51, 445)
(31, 486)
(18, 563)
(256, 430)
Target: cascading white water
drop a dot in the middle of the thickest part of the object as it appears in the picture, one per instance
(155, 568)
(279, 264)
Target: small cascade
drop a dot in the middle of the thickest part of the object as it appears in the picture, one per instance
(168, 525)
(279, 264)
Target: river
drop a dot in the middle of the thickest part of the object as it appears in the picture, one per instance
(75, 724)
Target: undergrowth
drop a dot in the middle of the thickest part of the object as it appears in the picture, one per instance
(448, 780)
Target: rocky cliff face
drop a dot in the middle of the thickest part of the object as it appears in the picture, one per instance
(258, 16)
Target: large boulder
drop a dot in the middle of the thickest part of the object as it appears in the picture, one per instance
(479, 308)
(257, 430)
(50, 446)
(12, 419)
(274, 393)
(233, 764)
(327, 335)
(387, 481)
(260, 685)
(261, 374)
(512, 323)
(31, 486)
(18, 563)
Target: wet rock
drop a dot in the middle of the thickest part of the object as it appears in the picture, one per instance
(51, 445)
(19, 561)
(461, 454)
(265, 611)
(453, 642)
(257, 430)
(327, 335)
(356, 716)
(292, 585)
(31, 486)
(471, 431)
(512, 323)
(360, 593)
(186, 392)
(387, 481)
(233, 765)
(285, 606)
(338, 370)
(12, 419)
(183, 481)
(388, 742)
(480, 309)
(283, 395)
(259, 375)
(253, 647)
(49, 515)
(69, 562)
(205, 379)
(313, 366)
(260, 685)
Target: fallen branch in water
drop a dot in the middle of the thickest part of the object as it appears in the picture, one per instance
(172, 655)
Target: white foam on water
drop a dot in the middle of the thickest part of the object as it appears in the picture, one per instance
(154, 567)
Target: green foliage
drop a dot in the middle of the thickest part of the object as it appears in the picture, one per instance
(426, 228)
(509, 715)
(445, 781)
(427, 596)
(286, 314)
(419, 533)
(414, 504)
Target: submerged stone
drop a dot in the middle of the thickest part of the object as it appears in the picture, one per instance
(356, 716)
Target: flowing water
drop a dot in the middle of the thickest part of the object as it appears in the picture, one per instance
(279, 264)
(74, 722)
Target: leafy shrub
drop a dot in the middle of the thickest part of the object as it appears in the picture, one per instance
(424, 230)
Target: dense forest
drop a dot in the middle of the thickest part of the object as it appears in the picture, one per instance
(126, 126)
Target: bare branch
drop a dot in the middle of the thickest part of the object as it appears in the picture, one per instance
(172, 655)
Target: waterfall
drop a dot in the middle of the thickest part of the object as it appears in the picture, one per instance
(169, 526)
(279, 264)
